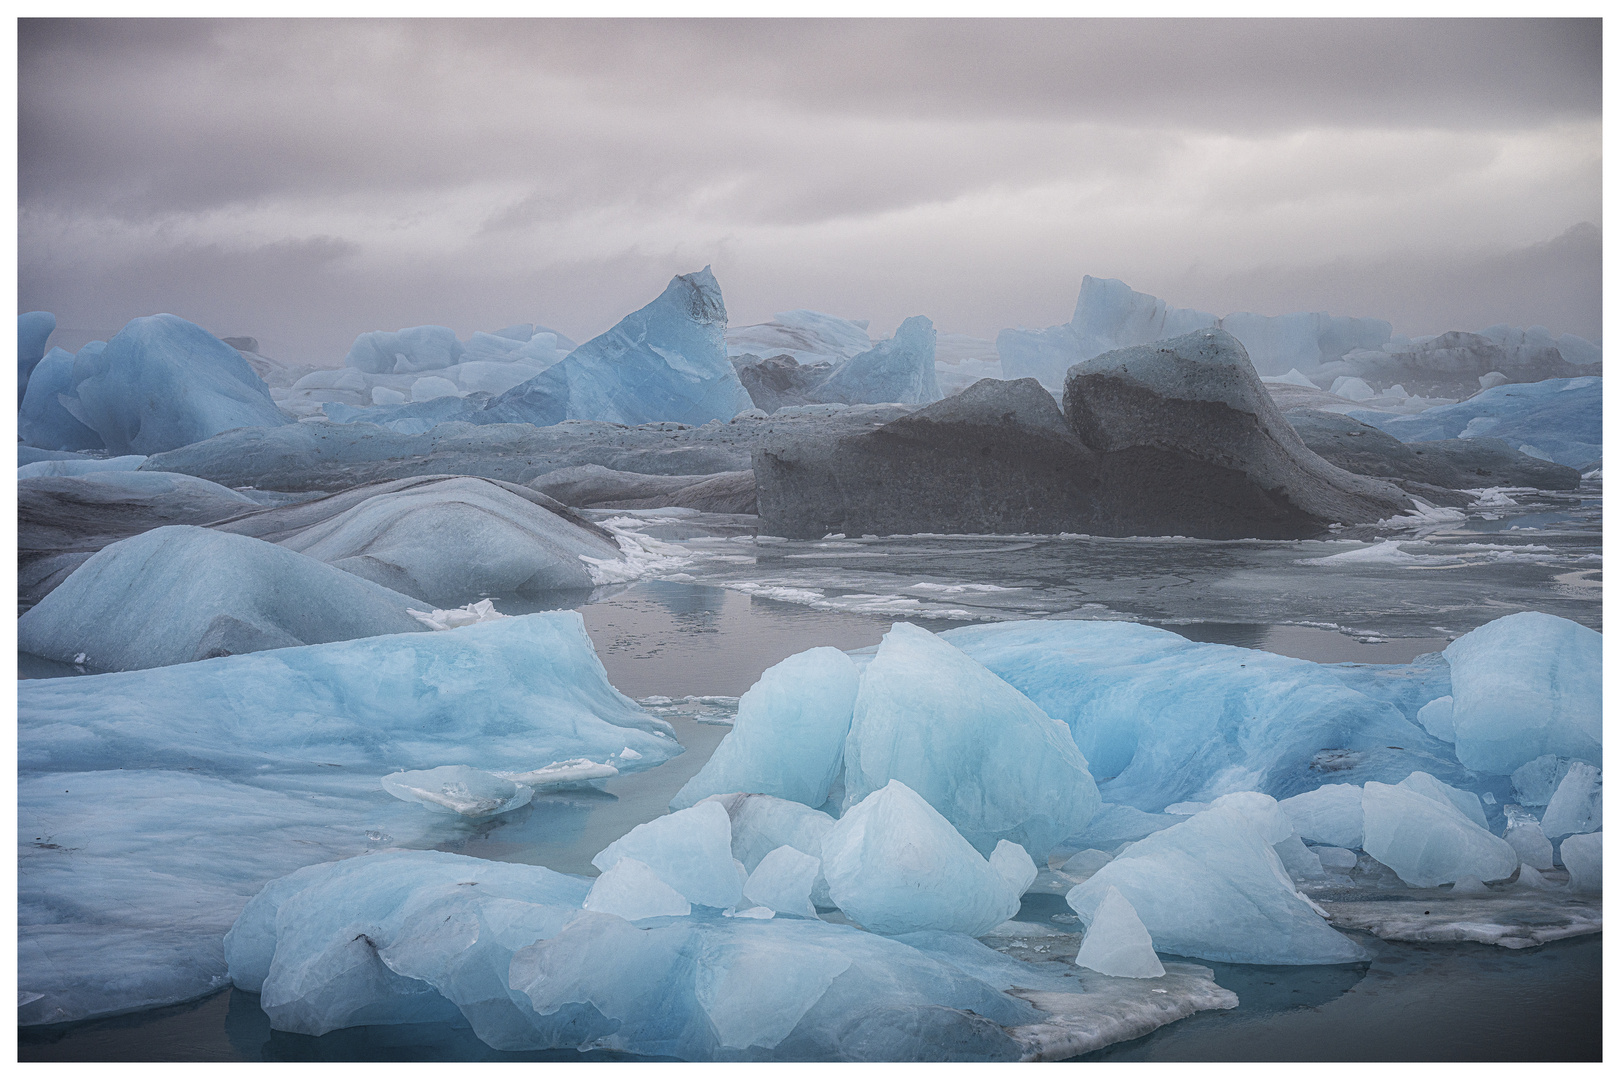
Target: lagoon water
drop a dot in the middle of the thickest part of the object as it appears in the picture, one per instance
(727, 604)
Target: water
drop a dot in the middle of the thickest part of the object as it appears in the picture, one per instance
(732, 604)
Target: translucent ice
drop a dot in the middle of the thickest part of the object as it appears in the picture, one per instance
(1116, 942)
(980, 752)
(471, 793)
(1524, 832)
(46, 419)
(664, 362)
(788, 738)
(1085, 863)
(1582, 856)
(1331, 814)
(1300, 861)
(894, 865)
(1465, 801)
(1428, 841)
(689, 849)
(416, 348)
(783, 881)
(163, 382)
(1523, 686)
(1335, 858)
(632, 890)
(1577, 805)
(762, 823)
(1214, 887)
(900, 369)
(34, 329)
(1535, 781)
(182, 593)
(1435, 718)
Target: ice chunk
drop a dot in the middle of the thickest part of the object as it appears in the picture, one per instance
(1330, 815)
(182, 593)
(1085, 863)
(1116, 942)
(783, 881)
(1214, 887)
(573, 773)
(1170, 720)
(34, 329)
(664, 362)
(894, 864)
(1535, 781)
(689, 849)
(163, 382)
(433, 386)
(1014, 865)
(1348, 386)
(1300, 861)
(632, 890)
(762, 823)
(1428, 841)
(1465, 801)
(900, 369)
(788, 738)
(1577, 805)
(1472, 886)
(1524, 832)
(1582, 856)
(49, 413)
(1335, 858)
(416, 348)
(466, 615)
(383, 395)
(1435, 718)
(1114, 825)
(472, 793)
(1526, 685)
(976, 749)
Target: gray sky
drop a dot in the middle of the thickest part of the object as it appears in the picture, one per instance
(303, 181)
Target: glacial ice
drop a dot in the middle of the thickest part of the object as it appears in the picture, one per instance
(1465, 801)
(182, 593)
(1116, 942)
(894, 864)
(1337, 859)
(34, 329)
(163, 382)
(1428, 841)
(82, 467)
(433, 386)
(274, 758)
(471, 793)
(810, 337)
(1582, 856)
(1330, 814)
(788, 737)
(1083, 864)
(48, 415)
(1170, 720)
(1524, 833)
(783, 882)
(664, 362)
(1301, 862)
(1435, 718)
(633, 890)
(1535, 781)
(1214, 887)
(979, 751)
(1563, 417)
(1577, 805)
(416, 348)
(689, 849)
(900, 369)
(1523, 686)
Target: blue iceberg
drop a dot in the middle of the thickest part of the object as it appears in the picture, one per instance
(34, 329)
(1556, 419)
(48, 417)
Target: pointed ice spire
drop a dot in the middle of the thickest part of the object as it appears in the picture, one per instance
(1116, 942)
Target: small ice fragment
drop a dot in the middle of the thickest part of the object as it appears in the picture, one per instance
(1525, 834)
(1116, 943)
(632, 890)
(628, 754)
(469, 615)
(573, 772)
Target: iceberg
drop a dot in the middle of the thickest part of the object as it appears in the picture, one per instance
(664, 362)
(163, 382)
(1563, 417)
(1577, 805)
(976, 749)
(153, 804)
(690, 850)
(1214, 887)
(182, 593)
(1428, 841)
(1168, 720)
(788, 737)
(900, 369)
(49, 410)
(1116, 942)
(1524, 686)
(597, 486)
(895, 865)
(1453, 365)
(34, 329)
(809, 337)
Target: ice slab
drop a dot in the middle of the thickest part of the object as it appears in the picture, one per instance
(978, 750)
(894, 864)
(1116, 942)
(182, 593)
(1524, 686)
(1513, 919)
(689, 849)
(1428, 841)
(81, 467)
(1214, 887)
(788, 738)
(1577, 805)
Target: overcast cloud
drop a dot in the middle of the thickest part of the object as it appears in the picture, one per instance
(303, 181)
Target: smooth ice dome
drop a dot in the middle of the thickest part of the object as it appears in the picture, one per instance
(689, 849)
(182, 593)
(664, 362)
(1427, 841)
(1583, 857)
(788, 738)
(1214, 887)
(633, 890)
(471, 793)
(894, 864)
(163, 382)
(783, 882)
(1116, 942)
(1523, 686)
(1329, 815)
